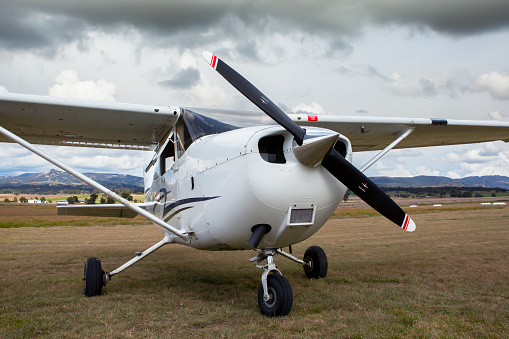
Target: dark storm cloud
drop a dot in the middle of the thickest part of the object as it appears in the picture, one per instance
(454, 17)
(185, 78)
(46, 24)
(23, 29)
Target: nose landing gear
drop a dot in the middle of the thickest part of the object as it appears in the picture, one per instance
(275, 295)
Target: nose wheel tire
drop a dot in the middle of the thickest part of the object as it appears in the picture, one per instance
(316, 265)
(280, 296)
(93, 277)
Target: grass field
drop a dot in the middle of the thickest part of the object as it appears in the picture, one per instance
(450, 278)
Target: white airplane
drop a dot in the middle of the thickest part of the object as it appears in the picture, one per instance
(225, 180)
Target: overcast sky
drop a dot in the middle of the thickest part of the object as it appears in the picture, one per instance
(435, 58)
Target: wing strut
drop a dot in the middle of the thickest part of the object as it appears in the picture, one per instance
(94, 184)
(139, 256)
(386, 149)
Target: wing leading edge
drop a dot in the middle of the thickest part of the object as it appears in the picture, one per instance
(77, 122)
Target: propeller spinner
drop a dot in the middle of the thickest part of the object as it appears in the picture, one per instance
(334, 162)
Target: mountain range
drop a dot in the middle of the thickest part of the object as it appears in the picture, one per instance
(58, 179)
(53, 180)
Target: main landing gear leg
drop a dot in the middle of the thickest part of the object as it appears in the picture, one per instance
(95, 278)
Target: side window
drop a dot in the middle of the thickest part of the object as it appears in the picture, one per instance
(183, 138)
(167, 157)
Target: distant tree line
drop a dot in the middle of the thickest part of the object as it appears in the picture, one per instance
(104, 199)
(25, 200)
(442, 192)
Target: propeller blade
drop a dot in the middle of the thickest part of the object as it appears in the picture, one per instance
(367, 190)
(255, 96)
(336, 164)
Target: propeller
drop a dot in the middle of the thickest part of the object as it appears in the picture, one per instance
(334, 162)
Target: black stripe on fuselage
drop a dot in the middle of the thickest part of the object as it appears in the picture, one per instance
(176, 212)
(177, 203)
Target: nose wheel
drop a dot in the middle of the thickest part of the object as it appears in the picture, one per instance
(280, 296)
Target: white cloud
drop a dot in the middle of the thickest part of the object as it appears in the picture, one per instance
(115, 163)
(453, 175)
(405, 156)
(485, 154)
(451, 158)
(477, 169)
(69, 85)
(12, 150)
(3, 89)
(314, 108)
(496, 83)
(386, 168)
(100, 160)
(496, 115)
(204, 94)
(399, 86)
(490, 158)
(16, 160)
(475, 157)
(422, 170)
(188, 59)
(491, 149)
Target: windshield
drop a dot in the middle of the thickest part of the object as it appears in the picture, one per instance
(198, 125)
(193, 125)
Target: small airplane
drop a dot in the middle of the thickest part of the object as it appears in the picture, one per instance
(227, 180)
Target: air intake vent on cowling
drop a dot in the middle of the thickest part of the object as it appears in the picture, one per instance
(301, 216)
(271, 149)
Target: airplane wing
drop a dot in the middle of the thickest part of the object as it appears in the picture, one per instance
(77, 122)
(368, 133)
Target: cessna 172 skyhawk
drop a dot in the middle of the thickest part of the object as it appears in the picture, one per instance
(218, 180)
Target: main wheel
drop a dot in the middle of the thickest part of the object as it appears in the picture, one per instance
(316, 262)
(280, 296)
(93, 277)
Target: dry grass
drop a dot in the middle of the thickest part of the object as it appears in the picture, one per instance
(449, 278)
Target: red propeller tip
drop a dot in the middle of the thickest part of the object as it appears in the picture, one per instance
(408, 224)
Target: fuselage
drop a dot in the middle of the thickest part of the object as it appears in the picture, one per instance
(224, 184)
